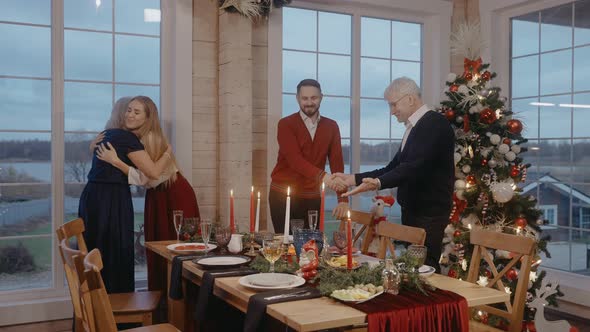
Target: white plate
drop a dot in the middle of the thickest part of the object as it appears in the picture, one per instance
(189, 247)
(426, 270)
(359, 301)
(222, 261)
(262, 281)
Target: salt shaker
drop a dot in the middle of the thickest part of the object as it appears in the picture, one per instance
(391, 278)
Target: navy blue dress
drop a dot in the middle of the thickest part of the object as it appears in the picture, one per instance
(107, 210)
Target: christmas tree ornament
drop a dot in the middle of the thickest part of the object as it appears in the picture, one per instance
(507, 141)
(495, 139)
(492, 163)
(468, 76)
(486, 75)
(457, 233)
(450, 114)
(520, 222)
(487, 116)
(454, 88)
(484, 93)
(463, 89)
(515, 148)
(484, 162)
(514, 172)
(503, 148)
(466, 169)
(470, 180)
(452, 273)
(511, 274)
(502, 192)
(488, 134)
(451, 77)
(459, 119)
(457, 157)
(460, 184)
(514, 126)
(510, 156)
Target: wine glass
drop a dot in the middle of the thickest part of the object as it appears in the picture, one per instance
(272, 249)
(296, 224)
(222, 236)
(340, 240)
(206, 233)
(177, 220)
(191, 226)
(312, 216)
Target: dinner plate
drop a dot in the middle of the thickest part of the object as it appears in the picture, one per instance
(222, 261)
(189, 247)
(426, 270)
(266, 281)
(357, 301)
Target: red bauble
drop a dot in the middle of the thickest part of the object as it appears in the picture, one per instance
(515, 168)
(514, 126)
(454, 88)
(450, 114)
(514, 173)
(457, 233)
(511, 274)
(507, 141)
(488, 273)
(520, 222)
(487, 116)
(468, 76)
(484, 162)
(452, 273)
(486, 75)
(470, 179)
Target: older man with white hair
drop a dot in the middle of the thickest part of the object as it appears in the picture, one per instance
(422, 169)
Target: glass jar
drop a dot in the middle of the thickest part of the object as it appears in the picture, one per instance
(391, 278)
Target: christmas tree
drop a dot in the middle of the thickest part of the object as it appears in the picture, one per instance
(488, 168)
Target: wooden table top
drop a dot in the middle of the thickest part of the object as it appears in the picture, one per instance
(321, 313)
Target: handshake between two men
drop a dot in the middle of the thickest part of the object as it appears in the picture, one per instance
(340, 182)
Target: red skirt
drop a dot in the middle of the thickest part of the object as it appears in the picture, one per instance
(159, 204)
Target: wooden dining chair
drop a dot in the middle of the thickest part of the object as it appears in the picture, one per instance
(523, 250)
(388, 232)
(96, 306)
(366, 220)
(135, 307)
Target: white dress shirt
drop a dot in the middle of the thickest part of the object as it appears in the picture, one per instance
(412, 120)
(310, 124)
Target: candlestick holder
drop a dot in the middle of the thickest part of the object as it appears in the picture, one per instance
(252, 252)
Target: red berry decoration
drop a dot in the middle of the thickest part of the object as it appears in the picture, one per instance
(484, 162)
(452, 273)
(486, 75)
(468, 76)
(454, 88)
(457, 233)
(520, 222)
(507, 141)
(514, 126)
(511, 274)
(514, 173)
(450, 114)
(487, 116)
(470, 179)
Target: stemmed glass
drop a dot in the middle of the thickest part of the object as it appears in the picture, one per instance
(191, 226)
(312, 216)
(222, 236)
(177, 220)
(272, 249)
(206, 233)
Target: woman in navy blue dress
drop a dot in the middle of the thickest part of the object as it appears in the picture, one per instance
(105, 204)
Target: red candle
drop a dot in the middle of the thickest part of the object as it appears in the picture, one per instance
(323, 197)
(252, 210)
(232, 223)
(349, 242)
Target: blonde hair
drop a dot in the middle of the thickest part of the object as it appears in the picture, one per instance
(150, 133)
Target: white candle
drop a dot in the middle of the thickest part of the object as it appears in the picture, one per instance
(257, 213)
(287, 216)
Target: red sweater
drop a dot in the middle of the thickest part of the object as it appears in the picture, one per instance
(301, 160)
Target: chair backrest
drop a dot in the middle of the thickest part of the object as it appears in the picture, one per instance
(72, 273)
(388, 231)
(74, 228)
(95, 301)
(522, 249)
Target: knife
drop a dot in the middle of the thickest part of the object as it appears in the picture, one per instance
(280, 296)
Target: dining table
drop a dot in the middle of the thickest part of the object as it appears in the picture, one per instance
(304, 315)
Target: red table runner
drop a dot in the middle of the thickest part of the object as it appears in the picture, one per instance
(441, 310)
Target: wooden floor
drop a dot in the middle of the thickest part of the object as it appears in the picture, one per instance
(582, 324)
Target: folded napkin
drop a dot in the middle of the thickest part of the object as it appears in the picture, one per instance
(175, 291)
(258, 302)
(206, 290)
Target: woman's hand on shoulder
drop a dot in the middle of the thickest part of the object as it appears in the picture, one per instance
(107, 153)
(95, 141)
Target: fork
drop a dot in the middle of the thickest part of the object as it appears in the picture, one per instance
(280, 296)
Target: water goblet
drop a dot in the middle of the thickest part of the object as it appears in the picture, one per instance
(417, 252)
(296, 224)
(340, 239)
(312, 216)
(177, 220)
(206, 233)
(222, 236)
(272, 249)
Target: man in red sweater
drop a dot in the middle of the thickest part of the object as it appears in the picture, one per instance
(306, 140)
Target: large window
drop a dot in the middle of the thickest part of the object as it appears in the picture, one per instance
(320, 45)
(110, 49)
(550, 90)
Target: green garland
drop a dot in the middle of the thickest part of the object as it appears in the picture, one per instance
(260, 264)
